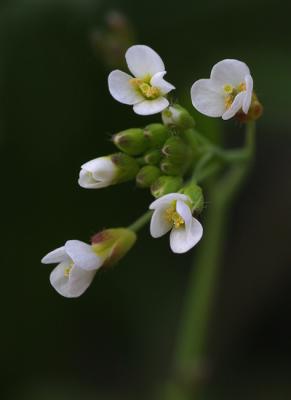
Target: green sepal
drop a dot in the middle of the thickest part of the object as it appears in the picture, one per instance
(166, 184)
(113, 244)
(147, 176)
(127, 167)
(194, 192)
(177, 116)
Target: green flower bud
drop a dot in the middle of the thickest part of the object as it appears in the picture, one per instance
(156, 134)
(131, 141)
(126, 167)
(177, 116)
(147, 175)
(113, 244)
(194, 192)
(166, 184)
(175, 149)
(152, 157)
(171, 168)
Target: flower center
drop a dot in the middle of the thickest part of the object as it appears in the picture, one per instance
(231, 92)
(145, 88)
(173, 217)
(68, 270)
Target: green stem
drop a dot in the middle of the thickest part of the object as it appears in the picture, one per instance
(191, 348)
(141, 221)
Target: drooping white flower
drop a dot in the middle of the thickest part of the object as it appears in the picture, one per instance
(77, 265)
(228, 91)
(146, 89)
(173, 212)
(97, 173)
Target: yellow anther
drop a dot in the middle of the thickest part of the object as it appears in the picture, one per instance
(228, 88)
(148, 91)
(228, 101)
(242, 87)
(68, 270)
(173, 217)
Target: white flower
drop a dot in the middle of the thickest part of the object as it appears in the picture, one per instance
(97, 173)
(228, 90)
(77, 265)
(173, 212)
(146, 89)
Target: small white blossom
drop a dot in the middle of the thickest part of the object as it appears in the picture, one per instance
(77, 265)
(146, 89)
(97, 173)
(173, 212)
(228, 90)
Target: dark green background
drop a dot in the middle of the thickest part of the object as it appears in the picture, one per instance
(115, 342)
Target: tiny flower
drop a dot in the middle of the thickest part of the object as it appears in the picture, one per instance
(97, 173)
(146, 89)
(229, 90)
(173, 212)
(77, 265)
(109, 170)
(78, 262)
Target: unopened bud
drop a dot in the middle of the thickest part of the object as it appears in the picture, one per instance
(131, 141)
(175, 149)
(177, 116)
(152, 157)
(113, 244)
(194, 192)
(147, 176)
(171, 168)
(166, 184)
(156, 134)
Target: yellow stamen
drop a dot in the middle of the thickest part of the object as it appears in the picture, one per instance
(68, 270)
(231, 92)
(145, 88)
(173, 217)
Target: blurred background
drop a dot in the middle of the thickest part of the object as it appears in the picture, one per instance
(116, 341)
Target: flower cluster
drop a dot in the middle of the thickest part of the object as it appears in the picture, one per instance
(166, 158)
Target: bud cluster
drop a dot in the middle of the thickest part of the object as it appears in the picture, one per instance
(157, 156)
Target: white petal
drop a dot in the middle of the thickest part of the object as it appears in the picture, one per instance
(55, 256)
(182, 240)
(235, 107)
(166, 199)
(97, 173)
(74, 285)
(184, 211)
(159, 224)
(158, 81)
(83, 255)
(143, 61)
(208, 98)
(121, 89)
(248, 94)
(229, 72)
(149, 107)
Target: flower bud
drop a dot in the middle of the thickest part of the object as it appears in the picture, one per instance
(175, 149)
(147, 176)
(156, 134)
(113, 244)
(169, 167)
(177, 116)
(108, 170)
(166, 184)
(131, 141)
(152, 157)
(194, 192)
